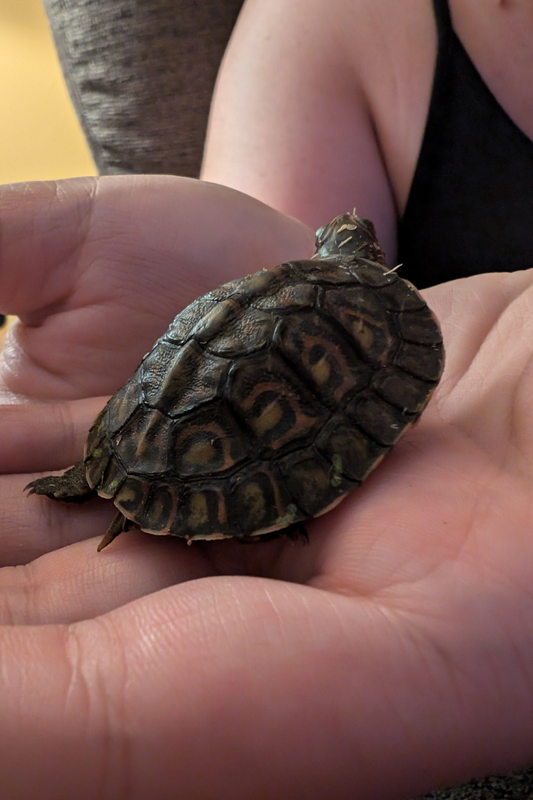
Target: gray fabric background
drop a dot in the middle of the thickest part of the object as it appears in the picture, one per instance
(141, 75)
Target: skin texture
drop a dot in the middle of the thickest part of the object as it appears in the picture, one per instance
(391, 655)
(321, 106)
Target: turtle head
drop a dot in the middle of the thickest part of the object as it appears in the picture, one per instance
(349, 237)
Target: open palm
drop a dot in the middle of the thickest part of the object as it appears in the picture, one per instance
(391, 655)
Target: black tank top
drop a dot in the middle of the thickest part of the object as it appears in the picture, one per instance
(470, 206)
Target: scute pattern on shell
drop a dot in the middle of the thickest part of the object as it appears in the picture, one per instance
(270, 398)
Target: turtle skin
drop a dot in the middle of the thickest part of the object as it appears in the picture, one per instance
(267, 400)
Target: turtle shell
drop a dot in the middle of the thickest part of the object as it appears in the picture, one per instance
(270, 398)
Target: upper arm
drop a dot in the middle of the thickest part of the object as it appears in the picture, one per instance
(290, 123)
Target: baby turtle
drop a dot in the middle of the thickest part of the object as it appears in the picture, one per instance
(267, 400)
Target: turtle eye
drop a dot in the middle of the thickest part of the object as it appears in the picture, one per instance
(320, 236)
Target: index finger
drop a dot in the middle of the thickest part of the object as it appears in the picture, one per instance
(96, 269)
(188, 236)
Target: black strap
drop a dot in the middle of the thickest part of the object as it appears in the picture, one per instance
(471, 201)
(443, 18)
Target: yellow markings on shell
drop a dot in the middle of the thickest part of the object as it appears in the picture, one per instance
(199, 513)
(268, 419)
(321, 371)
(200, 453)
(121, 412)
(364, 334)
(155, 513)
(221, 514)
(97, 452)
(147, 440)
(127, 494)
(254, 499)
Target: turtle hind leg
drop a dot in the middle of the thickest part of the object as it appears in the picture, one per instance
(295, 532)
(119, 524)
(71, 487)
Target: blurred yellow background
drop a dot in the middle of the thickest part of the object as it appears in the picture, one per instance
(40, 137)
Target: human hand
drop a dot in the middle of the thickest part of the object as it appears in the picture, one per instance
(96, 271)
(390, 655)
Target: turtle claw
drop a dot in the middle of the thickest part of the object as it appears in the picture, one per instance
(50, 487)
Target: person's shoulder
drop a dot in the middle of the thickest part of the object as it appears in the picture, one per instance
(376, 57)
(317, 102)
(359, 28)
(392, 46)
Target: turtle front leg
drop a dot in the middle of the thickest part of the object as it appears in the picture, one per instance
(71, 487)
